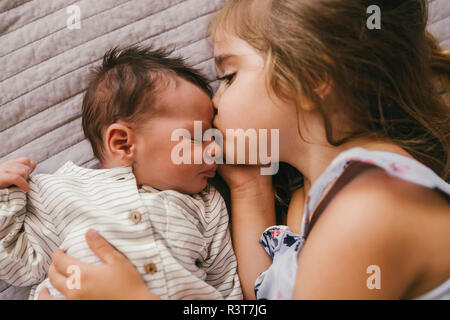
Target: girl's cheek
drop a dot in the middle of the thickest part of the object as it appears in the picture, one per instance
(231, 101)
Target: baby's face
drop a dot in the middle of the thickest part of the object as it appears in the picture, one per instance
(183, 103)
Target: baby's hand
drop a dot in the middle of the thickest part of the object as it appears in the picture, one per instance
(16, 172)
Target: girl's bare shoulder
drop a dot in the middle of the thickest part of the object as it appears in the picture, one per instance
(379, 219)
(376, 199)
(387, 194)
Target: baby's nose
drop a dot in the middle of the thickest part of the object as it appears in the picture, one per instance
(214, 150)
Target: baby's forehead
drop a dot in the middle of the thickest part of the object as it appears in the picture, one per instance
(185, 100)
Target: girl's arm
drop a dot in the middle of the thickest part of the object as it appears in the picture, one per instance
(365, 244)
(115, 279)
(252, 211)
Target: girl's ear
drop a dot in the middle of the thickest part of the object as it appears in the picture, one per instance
(324, 89)
(120, 144)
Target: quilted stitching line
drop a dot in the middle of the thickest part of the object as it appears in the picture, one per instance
(155, 35)
(16, 6)
(99, 36)
(50, 34)
(39, 111)
(76, 141)
(35, 20)
(84, 88)
(66, 121)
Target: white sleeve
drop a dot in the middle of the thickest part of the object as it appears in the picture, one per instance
(27, 239)
(221, 262)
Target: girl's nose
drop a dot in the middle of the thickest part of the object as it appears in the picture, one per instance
(215, 102)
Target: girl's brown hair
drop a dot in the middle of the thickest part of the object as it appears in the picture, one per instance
(385, 79)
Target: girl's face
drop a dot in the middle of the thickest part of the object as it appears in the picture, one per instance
(242, 100)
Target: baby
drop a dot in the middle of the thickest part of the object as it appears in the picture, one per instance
(163, 217)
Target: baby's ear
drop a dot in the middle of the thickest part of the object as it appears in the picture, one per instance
(119, 144)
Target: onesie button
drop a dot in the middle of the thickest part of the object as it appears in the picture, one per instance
(150, 268)
(135, 216)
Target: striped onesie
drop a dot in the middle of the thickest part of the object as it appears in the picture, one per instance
(179, 243)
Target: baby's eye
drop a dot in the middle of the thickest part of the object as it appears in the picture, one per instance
(196, 141)
(227, 79)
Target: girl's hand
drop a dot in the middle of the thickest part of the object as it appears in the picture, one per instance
(115, 279)
(246, 181)
(252, 211)
(16, 172)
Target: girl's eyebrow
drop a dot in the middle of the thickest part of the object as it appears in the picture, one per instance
(221, 59)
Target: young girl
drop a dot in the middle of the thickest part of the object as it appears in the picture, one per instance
(361, 119)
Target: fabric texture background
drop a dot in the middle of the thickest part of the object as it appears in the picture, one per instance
(44, 66)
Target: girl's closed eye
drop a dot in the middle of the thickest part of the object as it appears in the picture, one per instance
(227, 79)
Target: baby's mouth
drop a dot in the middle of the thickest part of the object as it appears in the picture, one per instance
(210, 172)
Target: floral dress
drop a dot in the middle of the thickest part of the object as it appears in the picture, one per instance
(283, 246)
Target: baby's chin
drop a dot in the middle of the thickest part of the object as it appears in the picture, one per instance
(193, 189)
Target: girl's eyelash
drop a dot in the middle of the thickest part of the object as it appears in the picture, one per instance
(227, 78)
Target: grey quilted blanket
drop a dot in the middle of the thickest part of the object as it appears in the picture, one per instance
(45, 58)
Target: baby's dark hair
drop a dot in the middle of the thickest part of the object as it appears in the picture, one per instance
(126, 87)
